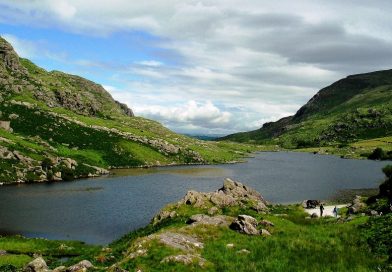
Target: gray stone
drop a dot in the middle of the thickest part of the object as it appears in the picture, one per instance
(266, 223)
(82, 265)
(180, 241)
(186, 259)
(245, 224)
(36, 265)
(203, 219)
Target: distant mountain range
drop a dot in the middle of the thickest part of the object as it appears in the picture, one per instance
(358, 107)
(56, 126)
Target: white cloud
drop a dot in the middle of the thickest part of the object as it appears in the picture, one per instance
(246, 61)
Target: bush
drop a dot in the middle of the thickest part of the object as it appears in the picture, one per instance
(378, 232)
(378, 154)
(388, 171)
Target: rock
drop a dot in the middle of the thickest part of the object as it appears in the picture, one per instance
(60, 269)
(357, 205)
(230, 245)
(13, 116)
(195, 198)
(222, 200)
(310, 204)
(3, 252)
(213, 210)
(266, 223)
(127, 111)
(203, 219)
(245, 224)
(314, 215)
(163, 214)
(186, 259)
(80, 266)
(138, 253)
(36, 265)
(373, 213)
(265, 232)
(243, 251)
(180, 241)
(6, 125)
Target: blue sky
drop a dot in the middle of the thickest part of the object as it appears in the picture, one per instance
(204, 67)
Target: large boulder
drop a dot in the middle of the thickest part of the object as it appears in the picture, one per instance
(36, 265)
(357, 205)
(245, 224)
(80, 266)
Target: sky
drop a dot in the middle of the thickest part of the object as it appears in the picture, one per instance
(204, 67)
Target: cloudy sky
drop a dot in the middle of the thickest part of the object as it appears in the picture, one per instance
(204, 67)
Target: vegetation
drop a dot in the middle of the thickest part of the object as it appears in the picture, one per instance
(20, 251)
(353, 111)
(57, 115)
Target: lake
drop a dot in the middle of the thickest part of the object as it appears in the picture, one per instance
(103, 209)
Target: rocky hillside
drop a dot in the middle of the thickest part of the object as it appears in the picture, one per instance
(358, 107)
(56, 126)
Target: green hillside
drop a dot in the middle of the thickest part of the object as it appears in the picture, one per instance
(56, 126)
(351, 110)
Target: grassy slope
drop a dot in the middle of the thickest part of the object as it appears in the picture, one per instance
(39, 134)
(296, 244)
(349, 112)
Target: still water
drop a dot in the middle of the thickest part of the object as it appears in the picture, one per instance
(103, 209)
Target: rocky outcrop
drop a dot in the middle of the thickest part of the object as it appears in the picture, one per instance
(232, 193)
(127, 111)
(9, 59)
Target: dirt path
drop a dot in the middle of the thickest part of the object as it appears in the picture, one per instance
(328, 210)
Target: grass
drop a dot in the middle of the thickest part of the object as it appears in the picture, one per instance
(21, 250)
(296, 244)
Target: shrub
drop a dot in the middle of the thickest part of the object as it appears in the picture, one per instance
(388, 171)
(378, 154)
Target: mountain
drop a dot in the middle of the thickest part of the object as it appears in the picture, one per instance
(358, 107)
(56, 126)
